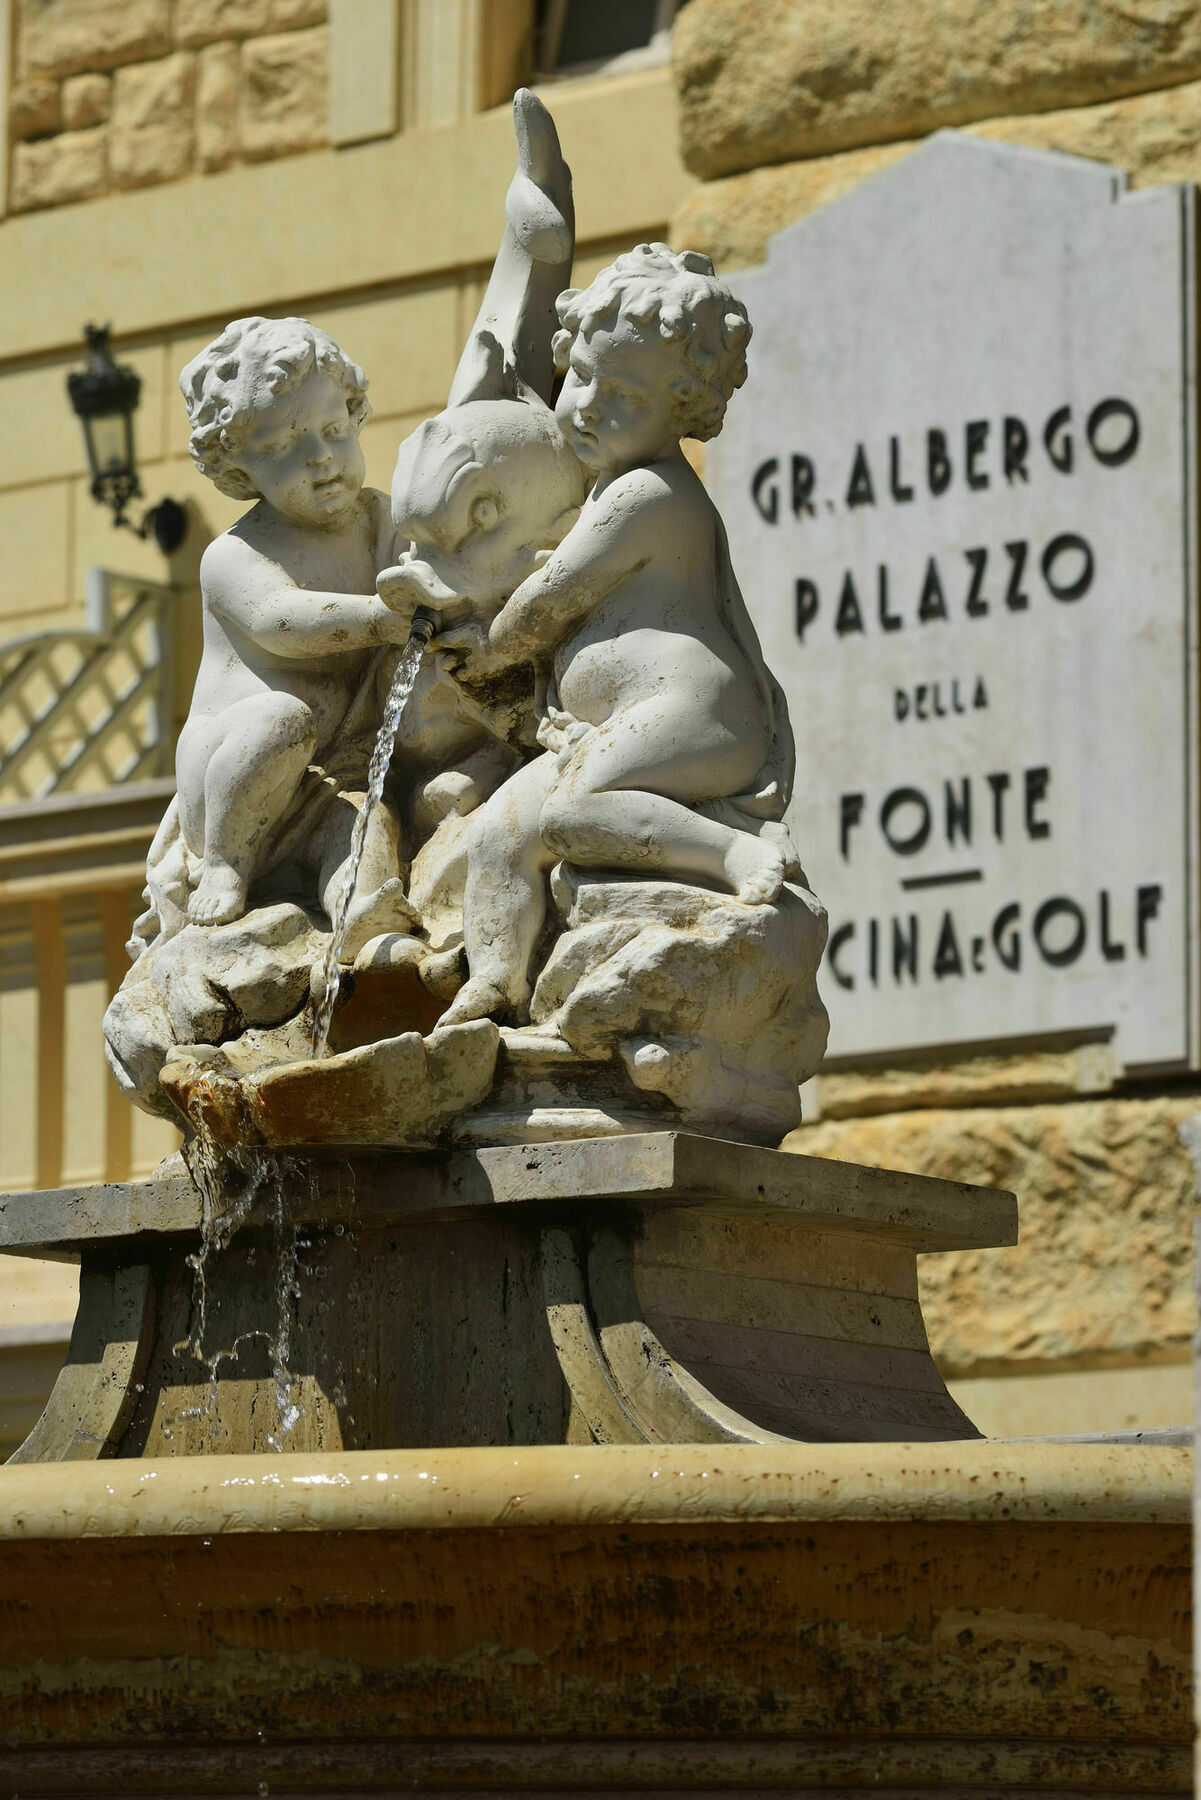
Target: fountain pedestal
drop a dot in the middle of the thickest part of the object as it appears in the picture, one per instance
(650, 1288)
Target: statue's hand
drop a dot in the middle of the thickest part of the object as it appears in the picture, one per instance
(411, 583)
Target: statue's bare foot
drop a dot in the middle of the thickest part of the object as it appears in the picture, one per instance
(220, 896)
(478, 998)
(754, 869)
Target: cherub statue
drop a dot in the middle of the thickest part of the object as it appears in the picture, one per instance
(669, 749)
(292, 625)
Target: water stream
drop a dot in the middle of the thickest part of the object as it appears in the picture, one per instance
(423, 628)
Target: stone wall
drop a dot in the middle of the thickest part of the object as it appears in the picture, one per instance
(115, 96)
(784, 108)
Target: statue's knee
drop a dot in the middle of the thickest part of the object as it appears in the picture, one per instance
(556, 824)
(292, 723)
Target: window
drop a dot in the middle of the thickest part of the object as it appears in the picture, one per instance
(578, 36)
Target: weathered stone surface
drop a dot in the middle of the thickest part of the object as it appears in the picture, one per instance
(150, 138)
(1154, 137)
(807, 77)
(1106, 1195)
(200, 22)
(35, 107)
(217, 106)
(56, 170)
(708, 1000)
(206, 984)
(87, 100)
(61, 37)
(292, 15)
(284, 92)
(977, 1080)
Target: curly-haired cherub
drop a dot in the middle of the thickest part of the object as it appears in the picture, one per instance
(670, 750)
(291, 617)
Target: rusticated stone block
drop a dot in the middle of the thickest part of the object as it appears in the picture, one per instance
(291, 15)
(1155, 137)
(151, 134)
(217, 106)
(63, 37)
(1106, 1192)
(56, 170)
(284, 93)
(792, 78)
(200, 22)
(87, 100)
(35, 108)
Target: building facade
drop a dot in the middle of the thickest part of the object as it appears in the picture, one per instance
(172, 164)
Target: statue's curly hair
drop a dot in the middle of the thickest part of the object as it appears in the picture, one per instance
(240, 373)
(693, 308)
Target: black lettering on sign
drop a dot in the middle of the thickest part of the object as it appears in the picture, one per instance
(1015, 599)
(1068, 543)
(860, 491)
(1006, 938)
(889, 620)
(947, 960)
(938, 463)
(998, 784)
(959, 810)
(764, 491)
(837, 940)
(975, 441)
(977, 605)
(1037, 783)
(806, 606)
(1058, 439)
(1110, 951)
(896, 486)
(1017, 443)
(980, 697)
(1113, 448)
(849, 616)
(1059, 956)
(904, 949)
(978, 955)
(804, 476)
(896, 802)
(1146, 908)
(900, 704)
(933, 604)
(873, 952)
(850, 812)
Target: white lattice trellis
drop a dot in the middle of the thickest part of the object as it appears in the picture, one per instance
(82, 710)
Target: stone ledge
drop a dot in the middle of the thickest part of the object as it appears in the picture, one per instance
(481, 1489)
(667, 1167)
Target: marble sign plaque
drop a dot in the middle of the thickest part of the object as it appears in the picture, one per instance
(960, 491)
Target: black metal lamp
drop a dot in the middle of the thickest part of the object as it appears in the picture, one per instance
(105, 397)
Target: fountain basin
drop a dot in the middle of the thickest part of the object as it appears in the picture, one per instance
(993, 1617)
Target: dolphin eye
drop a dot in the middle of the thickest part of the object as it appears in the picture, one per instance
(484, 512)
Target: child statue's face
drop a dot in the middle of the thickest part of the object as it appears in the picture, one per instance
(615, 407)
(303, 455)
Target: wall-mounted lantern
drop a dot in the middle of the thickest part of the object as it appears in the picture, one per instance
(105, 397)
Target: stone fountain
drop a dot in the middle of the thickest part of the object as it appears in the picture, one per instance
(482, 981)
(478, 967)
